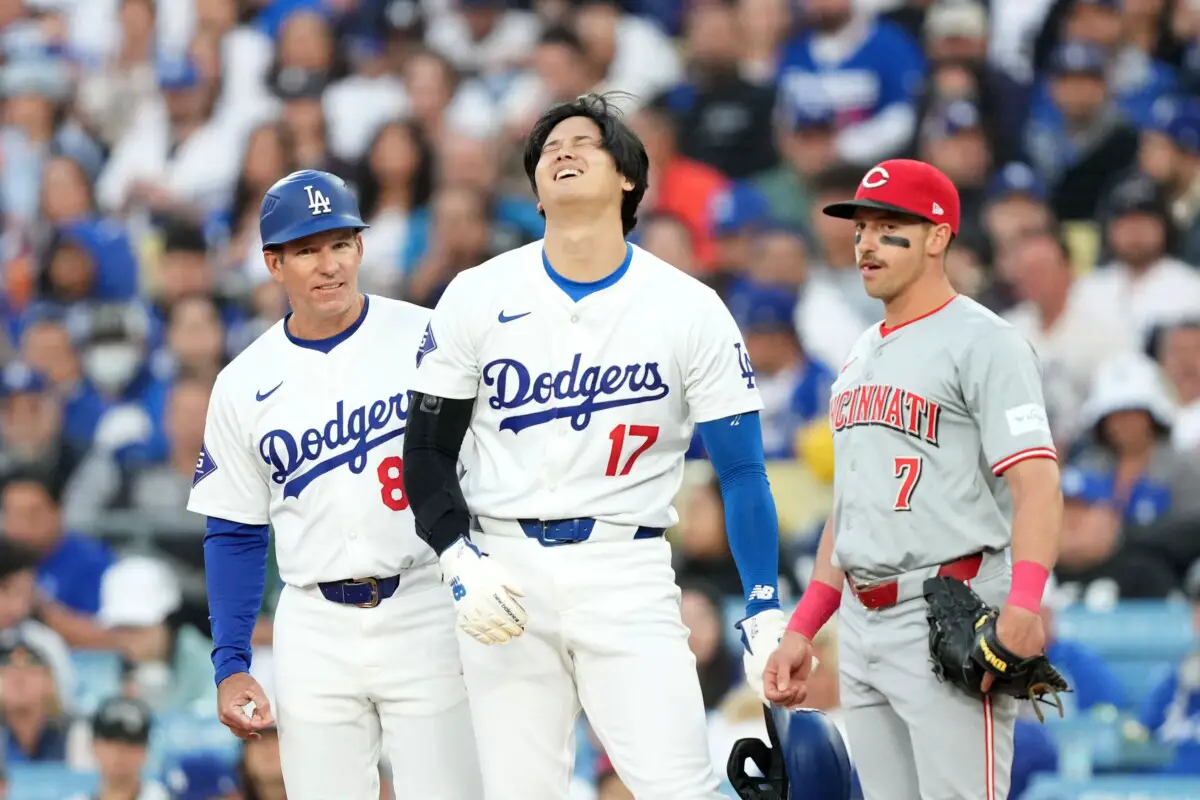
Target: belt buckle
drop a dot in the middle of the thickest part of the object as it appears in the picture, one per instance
(554, 541)
(374, 584)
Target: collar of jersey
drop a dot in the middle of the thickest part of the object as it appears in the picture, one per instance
(577, 290)
(325, 345)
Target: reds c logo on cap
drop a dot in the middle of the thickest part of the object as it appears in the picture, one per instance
(904, 186)
(876, 177)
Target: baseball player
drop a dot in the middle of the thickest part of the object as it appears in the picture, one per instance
(943, 460)
(581, 365)
(304, 433)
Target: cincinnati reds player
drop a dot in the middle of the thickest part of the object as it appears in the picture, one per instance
(939, 432)
(581, 364)
(304, 433)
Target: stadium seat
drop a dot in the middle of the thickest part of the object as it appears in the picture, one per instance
(1109, 748)
(179, 732)
(48, 782)
(1139, 677)
(1131, 787)
(97, 677)
(1141, 629)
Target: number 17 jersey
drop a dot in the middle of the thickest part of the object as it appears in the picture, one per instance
(583, 408)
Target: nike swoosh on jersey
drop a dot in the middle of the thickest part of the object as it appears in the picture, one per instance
(260, 396)
(503, 318)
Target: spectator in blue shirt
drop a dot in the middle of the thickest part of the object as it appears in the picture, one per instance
(31, 425)
(1172, 711)
(35, 728)
(71, 566)
(870, 71)
(1080, 139)
(1137, 79)
(49, 348)
(1170, 154)
(793, 385)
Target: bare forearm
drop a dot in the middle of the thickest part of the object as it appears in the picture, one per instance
(1037, 525)
(824, 570)
(823, 595)
(1037, 529)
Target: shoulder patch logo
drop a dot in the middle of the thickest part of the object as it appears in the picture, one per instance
(744, 364)
(428, 344)
(205, 466)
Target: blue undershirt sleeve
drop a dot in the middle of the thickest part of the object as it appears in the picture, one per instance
(235, 567)
(735, 447)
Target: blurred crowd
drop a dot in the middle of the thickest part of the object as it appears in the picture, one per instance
(137, 138)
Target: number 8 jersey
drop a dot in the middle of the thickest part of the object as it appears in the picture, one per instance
(308, 436)
(583, 408)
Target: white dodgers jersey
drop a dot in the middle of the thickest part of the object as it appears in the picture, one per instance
(311, 442)
(584, 409)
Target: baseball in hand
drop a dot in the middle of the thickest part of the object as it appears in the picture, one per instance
(248, 709)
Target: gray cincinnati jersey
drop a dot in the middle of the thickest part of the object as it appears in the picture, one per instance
(926, 418)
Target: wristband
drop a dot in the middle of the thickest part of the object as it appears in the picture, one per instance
(1028, 585)
(819, 602)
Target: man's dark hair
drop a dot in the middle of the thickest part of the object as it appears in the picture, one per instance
(840, 178)
(183, 236)
(36, 475)
(562, 35)
(1054, 235)
(626, 149)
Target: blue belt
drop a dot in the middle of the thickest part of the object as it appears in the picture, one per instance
(367, 593)
(572, 531)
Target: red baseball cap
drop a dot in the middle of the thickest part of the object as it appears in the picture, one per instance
(906, 187)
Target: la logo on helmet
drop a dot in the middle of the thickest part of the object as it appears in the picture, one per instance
(877, 177)
(318, 203)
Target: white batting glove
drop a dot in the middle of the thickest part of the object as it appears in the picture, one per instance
(484, 594)
(761, 634)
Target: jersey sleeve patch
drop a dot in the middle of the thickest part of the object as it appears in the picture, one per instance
(1028, 418)
(205, 466)
(747, 369)
(428, 344)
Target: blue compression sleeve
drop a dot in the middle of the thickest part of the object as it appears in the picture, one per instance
(735, 448)
(235, 574)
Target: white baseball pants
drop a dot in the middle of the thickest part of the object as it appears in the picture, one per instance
(345, 675)
(604, 634)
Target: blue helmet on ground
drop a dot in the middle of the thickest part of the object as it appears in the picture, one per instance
(304, 203)
(806, 760)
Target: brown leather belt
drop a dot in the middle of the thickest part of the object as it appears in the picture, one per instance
(886, 593)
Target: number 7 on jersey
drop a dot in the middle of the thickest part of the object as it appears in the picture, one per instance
(908, 470)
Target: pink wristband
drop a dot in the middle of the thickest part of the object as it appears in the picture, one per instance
(1028, 585)
(819, 602)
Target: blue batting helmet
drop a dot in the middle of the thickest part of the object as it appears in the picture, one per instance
(304, 203)
(807, 760)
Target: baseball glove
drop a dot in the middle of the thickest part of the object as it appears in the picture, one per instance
(964, 647)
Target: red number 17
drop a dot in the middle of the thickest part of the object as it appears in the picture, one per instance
(617, 436)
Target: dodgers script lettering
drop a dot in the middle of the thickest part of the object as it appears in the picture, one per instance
(516, 387)
(287, 454)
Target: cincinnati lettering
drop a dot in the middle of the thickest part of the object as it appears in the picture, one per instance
(887, 406)
(347, 431)
(515, 386)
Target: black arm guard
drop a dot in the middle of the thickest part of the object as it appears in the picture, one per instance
(433, 437)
